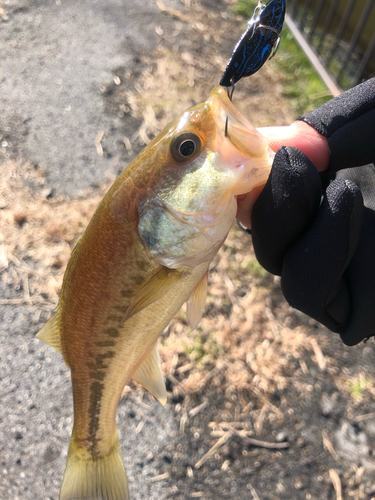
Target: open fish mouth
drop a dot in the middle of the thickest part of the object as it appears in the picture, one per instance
(236, 126)
(242, 148)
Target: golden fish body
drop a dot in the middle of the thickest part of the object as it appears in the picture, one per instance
(145, 252)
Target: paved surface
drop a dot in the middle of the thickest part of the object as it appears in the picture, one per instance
(56, 56)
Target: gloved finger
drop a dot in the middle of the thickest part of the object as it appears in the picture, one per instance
(285, 207)
(361, 278)
(313, 268)
(348, 123)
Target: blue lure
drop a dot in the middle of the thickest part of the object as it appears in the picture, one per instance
(259, 42)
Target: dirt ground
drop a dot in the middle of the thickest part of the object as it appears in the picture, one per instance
(263, 403)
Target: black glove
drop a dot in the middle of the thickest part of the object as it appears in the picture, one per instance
(324, 247)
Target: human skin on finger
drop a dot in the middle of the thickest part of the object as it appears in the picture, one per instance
(299, 135)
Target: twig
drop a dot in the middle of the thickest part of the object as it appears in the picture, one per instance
(320, 359)
(261, 444)
(336, 483)
(179, 384)
(140, 426)
(140, 402)
(98, 145)
(185, 368)
(227, 425)
(329, 446)
(258, 424)
(366, 416)
(194, 411)
(253, 492)
(127, 144)
(160, 477)
(26, 288)
(31, 300)
(207, 377)
(244, 434)
(215, 447)
(260, 396)
(183, 420)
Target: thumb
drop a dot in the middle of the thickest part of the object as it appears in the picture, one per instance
(303, 137)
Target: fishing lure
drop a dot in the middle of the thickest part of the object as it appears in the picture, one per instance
(259, 42)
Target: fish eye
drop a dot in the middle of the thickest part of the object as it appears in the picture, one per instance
(185, 146)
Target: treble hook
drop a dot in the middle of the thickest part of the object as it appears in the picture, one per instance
(230, 95)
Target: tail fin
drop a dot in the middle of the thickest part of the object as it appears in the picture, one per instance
(95, 478)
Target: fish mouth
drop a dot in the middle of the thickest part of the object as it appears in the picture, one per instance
(235, 126)
(242, 149)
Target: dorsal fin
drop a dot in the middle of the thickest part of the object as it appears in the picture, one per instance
(197, 301)
(149, 375)
(50, 333)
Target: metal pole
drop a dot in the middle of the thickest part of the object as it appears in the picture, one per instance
(366, 57)
(315, 60)
(304, 14)
(340, 29)
(317, 13)
(357, 33)
(327, 23)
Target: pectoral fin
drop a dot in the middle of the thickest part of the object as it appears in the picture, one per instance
(149, 375)
(197, 301)
(50, 333)
(155, 288)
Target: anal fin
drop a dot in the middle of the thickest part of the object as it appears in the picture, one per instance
(50, 333)
(197, 301)
(149, 375)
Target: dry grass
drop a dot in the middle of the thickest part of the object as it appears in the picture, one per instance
(37, 234)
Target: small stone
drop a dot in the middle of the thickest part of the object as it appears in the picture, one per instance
(352, 443)
(282, 437)
(327, 405)
(47, 192)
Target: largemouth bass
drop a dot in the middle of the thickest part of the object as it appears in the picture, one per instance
(145, 252)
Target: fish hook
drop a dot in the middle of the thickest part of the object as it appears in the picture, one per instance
(226, 127)
(230, 91)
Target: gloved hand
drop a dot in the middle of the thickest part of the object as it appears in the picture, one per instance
(318, 230)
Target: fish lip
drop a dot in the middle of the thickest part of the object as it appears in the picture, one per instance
(232, 125)
(219, 96)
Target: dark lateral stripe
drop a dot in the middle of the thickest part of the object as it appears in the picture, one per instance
(115, 317)
(105, 343)
(97, 375)
(112, 332)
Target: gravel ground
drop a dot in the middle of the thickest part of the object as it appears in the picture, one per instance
(56, 59)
